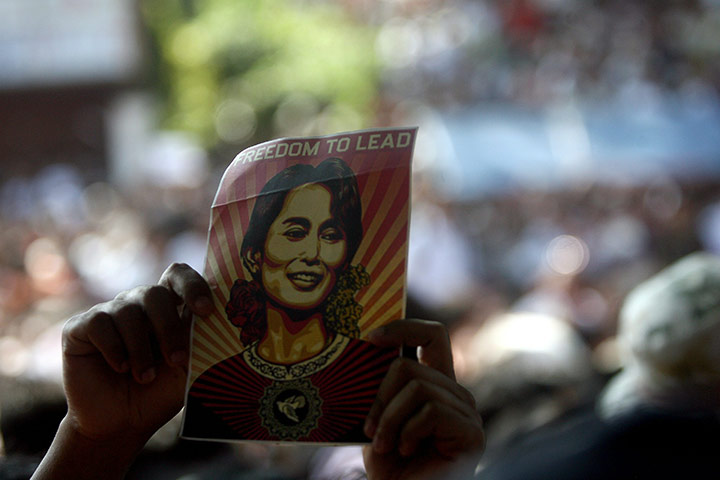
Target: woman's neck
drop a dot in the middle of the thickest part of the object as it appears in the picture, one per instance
(289, 341)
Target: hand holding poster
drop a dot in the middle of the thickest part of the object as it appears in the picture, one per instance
(306, 253)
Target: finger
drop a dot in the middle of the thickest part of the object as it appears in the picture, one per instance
(92, 332)
(431, 337)
(188, 287)
(406, 403)
(453, 433)
(171, 331)
(135, 330)
(401, 372)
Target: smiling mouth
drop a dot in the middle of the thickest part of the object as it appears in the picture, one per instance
(305, 280)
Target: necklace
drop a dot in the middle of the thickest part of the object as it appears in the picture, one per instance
(302, 369)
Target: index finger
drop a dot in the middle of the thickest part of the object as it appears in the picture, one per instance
(189, 287)
(431, 338)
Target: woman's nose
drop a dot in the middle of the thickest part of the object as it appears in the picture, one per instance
(311, 249)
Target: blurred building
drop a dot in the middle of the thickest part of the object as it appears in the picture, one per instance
(63, 62)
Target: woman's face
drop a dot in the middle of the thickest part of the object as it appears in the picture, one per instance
(304, 248)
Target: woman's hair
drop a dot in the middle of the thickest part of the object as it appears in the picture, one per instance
(341, 314)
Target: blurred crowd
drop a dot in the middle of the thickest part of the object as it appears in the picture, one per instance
(67, 245)
(545, 274)
(540, 51)
(530, 282)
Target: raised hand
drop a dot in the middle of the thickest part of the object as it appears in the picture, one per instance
(423, 424)
(124, 369)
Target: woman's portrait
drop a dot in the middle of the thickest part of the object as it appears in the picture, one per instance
(304, 230)
(303, 374)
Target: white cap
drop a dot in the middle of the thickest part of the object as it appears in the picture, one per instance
(669, 334)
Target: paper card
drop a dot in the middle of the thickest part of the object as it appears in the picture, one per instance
(307, 250)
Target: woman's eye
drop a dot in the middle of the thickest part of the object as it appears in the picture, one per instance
(332, 235)
(295, 233)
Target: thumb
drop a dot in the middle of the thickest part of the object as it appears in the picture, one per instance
(431, 339)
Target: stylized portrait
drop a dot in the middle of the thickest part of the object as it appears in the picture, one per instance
(303, 373)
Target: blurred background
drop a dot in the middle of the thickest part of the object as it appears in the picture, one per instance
(568, 150)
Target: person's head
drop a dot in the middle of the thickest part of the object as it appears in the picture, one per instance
(669, 332)
(671, 322)
(304, 230)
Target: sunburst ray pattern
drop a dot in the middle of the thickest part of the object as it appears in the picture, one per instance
(383, 176)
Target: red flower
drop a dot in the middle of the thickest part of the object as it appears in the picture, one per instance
(246, 309)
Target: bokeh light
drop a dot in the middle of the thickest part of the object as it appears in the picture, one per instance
(567, 255)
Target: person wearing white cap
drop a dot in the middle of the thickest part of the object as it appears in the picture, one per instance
(659, 417)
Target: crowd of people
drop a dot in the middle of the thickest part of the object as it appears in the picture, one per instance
(563, 260)
(530, 283)
(536, 52)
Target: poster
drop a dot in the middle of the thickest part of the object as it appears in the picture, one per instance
(307, 250)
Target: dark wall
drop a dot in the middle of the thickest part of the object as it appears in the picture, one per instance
(44, 127)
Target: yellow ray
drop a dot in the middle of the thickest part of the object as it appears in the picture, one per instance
(379, 216)
(390, 315)
(370, 310)
(217, 274)
(380, 279)
(221, 236)
(227, 343)
(389, 238)
(234, 210)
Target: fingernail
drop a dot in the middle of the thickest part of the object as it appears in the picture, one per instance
(179, 357)
(202, 304)
(148, 375)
